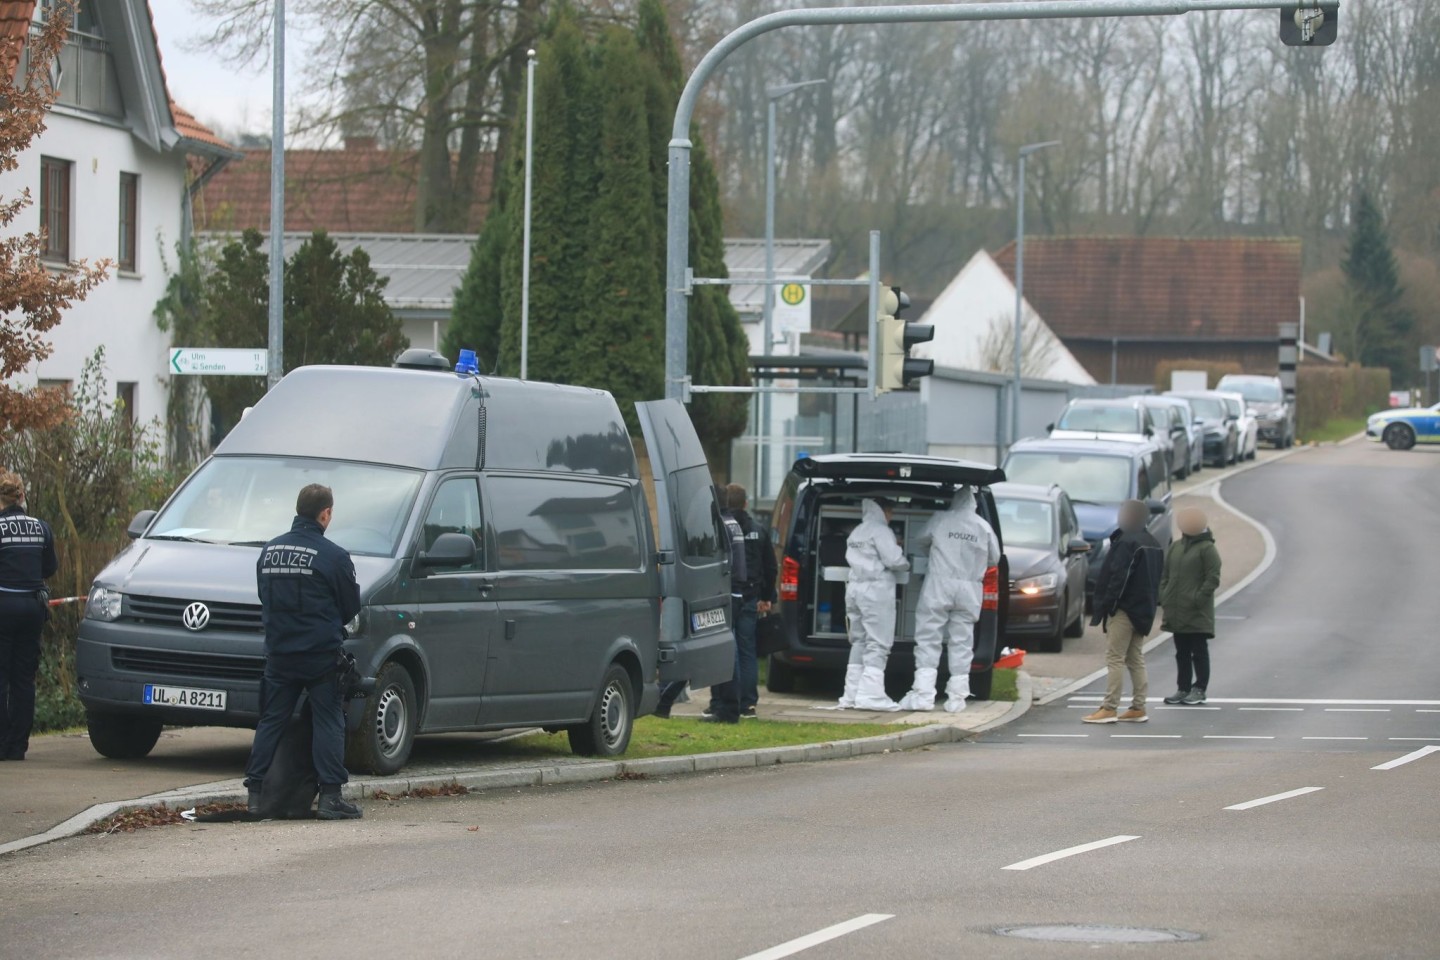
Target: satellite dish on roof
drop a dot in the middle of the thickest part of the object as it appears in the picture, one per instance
(419, 358)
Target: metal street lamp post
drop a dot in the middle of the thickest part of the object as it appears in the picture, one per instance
(1015, 388)
(525, 243)
(275, 361)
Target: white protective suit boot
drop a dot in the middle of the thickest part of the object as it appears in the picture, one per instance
(956, 690)
(872, 695)
(852, 678)
(922, 694)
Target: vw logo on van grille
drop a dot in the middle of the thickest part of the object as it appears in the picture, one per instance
(196, 616)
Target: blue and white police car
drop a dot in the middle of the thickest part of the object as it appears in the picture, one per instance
(1402, 429)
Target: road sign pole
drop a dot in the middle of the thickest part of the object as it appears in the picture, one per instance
(276, 364)
(677, 254)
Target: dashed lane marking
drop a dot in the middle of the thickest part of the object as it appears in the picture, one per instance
(1274, 798)
(1357, 709)
(1040, 861)
(1286, 701)
(1220, 736)
(1145, 736)
(1067, 735)
(1334, 738)
(1275, 709)
(792, 947)
(1401, 761)
(1421, 739)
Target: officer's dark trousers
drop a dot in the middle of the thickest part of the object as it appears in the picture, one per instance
(285, 679)
(22, 616)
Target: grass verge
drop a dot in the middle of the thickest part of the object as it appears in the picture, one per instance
(1335, 430)
(681, 736)
(1004, 686)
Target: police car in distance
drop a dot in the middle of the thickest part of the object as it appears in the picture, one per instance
(1402, 429)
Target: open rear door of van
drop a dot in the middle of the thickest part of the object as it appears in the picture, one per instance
(697, 642)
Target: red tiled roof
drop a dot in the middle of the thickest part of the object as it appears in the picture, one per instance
(191, 129)
(359, 190)
(15, 16)
(1159, 287)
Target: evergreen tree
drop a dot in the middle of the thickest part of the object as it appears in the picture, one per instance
(717, 346)
(564, 182)
(619, 333)
(1372, 279)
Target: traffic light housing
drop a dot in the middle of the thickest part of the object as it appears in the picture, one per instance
(896, 336)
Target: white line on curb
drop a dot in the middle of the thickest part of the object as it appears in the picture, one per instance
(1248, 804)
(1249, 578)
(792, 947)
(1068, 852)
(1401, 761)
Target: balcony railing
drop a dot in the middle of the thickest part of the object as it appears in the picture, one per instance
(87, 75)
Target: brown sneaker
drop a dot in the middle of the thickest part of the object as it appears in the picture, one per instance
(1103, 715)
(1133, 716)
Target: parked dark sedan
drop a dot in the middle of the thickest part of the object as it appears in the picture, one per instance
(1049, 565)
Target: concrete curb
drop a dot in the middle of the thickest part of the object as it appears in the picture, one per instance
(1025, 689)
(543, 774)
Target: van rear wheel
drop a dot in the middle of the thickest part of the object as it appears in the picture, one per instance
(386, 733)
(780, 677)
(122, 737)
(607, 732)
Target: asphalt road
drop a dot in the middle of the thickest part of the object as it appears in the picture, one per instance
(730, 866)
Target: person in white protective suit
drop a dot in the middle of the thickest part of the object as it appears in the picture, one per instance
(962, 546)
(874, 557)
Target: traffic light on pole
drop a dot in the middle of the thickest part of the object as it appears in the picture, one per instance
(896, 367)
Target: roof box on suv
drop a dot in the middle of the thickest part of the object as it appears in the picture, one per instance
(898, 466)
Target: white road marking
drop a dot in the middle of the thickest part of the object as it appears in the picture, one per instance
(1357, 709)
(1276, 709)
(1413, 755)
(1218, 736)
(1068, 852)
(792, 947)
(1145, 736)
(1053, 734)
(1334, 738)
(1423, 710)
(1177, 707)
(1421, 739)
(1285, 701)
(1275, 798)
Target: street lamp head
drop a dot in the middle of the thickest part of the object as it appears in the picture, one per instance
(530, 53)
(785, 89)
(1030, 148)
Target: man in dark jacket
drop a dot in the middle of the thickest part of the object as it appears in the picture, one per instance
(308, 593)
(760, 585)
(1126, 598)
(1187, 592)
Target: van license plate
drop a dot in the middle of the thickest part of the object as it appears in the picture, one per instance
(159, 696)
(706, 619)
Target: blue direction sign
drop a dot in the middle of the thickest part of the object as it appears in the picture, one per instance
(217, 361)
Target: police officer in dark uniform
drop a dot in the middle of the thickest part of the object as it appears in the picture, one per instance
(308, 593)
(759, 591)
(27, 558)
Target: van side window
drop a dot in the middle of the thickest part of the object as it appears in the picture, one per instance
(456, 509)
(563, 524)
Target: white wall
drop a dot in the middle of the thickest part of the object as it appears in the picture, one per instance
(118, 313)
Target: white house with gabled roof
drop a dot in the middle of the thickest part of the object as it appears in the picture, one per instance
(111, 177)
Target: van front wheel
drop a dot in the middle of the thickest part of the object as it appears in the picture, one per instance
(382, 743)
(122, 737)
(607, 732)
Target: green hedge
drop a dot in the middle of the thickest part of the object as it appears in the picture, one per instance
(1328, 393)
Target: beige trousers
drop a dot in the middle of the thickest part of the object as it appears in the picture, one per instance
(1125, 651)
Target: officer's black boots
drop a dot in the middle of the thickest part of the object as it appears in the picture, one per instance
(335, 807)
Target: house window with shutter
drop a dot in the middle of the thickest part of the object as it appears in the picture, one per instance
(129, 214)
(55, 208)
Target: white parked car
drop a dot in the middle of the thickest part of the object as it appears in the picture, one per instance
(1247, 425)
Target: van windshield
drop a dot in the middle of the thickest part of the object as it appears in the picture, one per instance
(250, 500)
(1101, 419)
(1085, 477)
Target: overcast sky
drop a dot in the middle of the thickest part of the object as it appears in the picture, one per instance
(230, 99)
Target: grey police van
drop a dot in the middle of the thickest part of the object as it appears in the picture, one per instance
(511, 572)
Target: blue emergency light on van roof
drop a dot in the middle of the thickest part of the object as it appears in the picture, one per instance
(467, 364)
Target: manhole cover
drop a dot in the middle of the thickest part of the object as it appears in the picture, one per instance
(1095, 933)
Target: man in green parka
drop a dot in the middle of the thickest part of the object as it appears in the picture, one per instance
(1187, 592)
